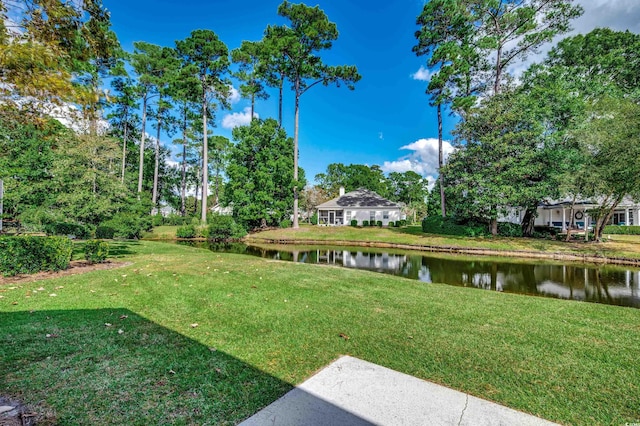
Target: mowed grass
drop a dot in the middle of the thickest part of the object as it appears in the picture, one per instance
(622, 246)
(210, 338)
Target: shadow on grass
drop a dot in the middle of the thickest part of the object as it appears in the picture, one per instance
(117, 248)
(112, 366)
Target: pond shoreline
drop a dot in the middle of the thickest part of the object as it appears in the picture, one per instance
(586, 258)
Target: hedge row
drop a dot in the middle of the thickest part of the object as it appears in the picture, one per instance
(449, 226)
(619, 229)
(28, 254)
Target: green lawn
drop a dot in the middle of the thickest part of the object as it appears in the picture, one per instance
(263, 326)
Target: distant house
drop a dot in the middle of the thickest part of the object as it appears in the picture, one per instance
(221, 210)
(359, 205)
(558, 213)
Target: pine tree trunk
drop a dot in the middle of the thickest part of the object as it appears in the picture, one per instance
(156, 167)
(183, 183)
(295, 157)
(205, 159)
(253, 104)
(440, 162)
(280, 100)
(143, 132)
(124, 144)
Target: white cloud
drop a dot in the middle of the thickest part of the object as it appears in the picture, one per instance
(422, 74)
(423, 160)
(234, 95)
(236, 119)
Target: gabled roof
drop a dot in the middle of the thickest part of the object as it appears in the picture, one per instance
(359, 198)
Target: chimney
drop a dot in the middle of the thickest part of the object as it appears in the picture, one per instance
(341, 191)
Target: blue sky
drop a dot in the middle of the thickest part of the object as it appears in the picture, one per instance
(386, 120)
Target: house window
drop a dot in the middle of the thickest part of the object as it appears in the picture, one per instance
(385, 215)
(348, 216)
(372, 216)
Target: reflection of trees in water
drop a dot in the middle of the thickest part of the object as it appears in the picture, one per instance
(612, 285)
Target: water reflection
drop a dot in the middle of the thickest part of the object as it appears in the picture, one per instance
(600, 284)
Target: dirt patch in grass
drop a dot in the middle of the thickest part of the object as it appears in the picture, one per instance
(15, 413)
(75, 267)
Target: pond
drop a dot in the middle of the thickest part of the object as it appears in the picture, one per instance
(614, 285)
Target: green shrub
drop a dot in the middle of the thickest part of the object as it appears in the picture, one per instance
(27, 254)
(449, 226)
(403, 222)
(372, 223)
(365, 223)
(354, 222)
(128, 226)
(285, 224)
(379, 223)
(105, 232)
(176, 220)
(68, 228)
(506, 229)
(396, 224)
(96, 251)
(157, 220)
(314, 219)
(621, 230)
(186, 231)
(225, 228)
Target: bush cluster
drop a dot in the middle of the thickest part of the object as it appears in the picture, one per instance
(365, 223)
(171, 220)
(224, 228)
(28, 255)
(286, 224)
(68, 228)
(96, 251)
(449, 226)
(354, 222)
(507, 229)
(379, 223)
(622, 230)
(105, 232)
(127, 226)
(314, 219)
(186, 231)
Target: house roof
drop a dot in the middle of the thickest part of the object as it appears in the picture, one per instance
(359, 198)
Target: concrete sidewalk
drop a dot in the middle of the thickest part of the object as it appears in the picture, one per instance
(354, 392)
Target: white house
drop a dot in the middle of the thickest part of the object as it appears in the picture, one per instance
(359, 205)
(558, 214)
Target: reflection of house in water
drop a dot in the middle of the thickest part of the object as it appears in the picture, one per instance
(383, 262)
(610, 285)
(603, 284)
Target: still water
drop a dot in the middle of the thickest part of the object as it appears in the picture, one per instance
(607, 284)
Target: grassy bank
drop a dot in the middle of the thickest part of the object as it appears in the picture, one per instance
(617, 246)
(188, 336)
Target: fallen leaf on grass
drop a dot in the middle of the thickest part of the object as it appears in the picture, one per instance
(52, 336)
(344, 336)
(107, 324)
(124, 316)
(120, 331)
(194, 325)
(172, 372)
(52, 295)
